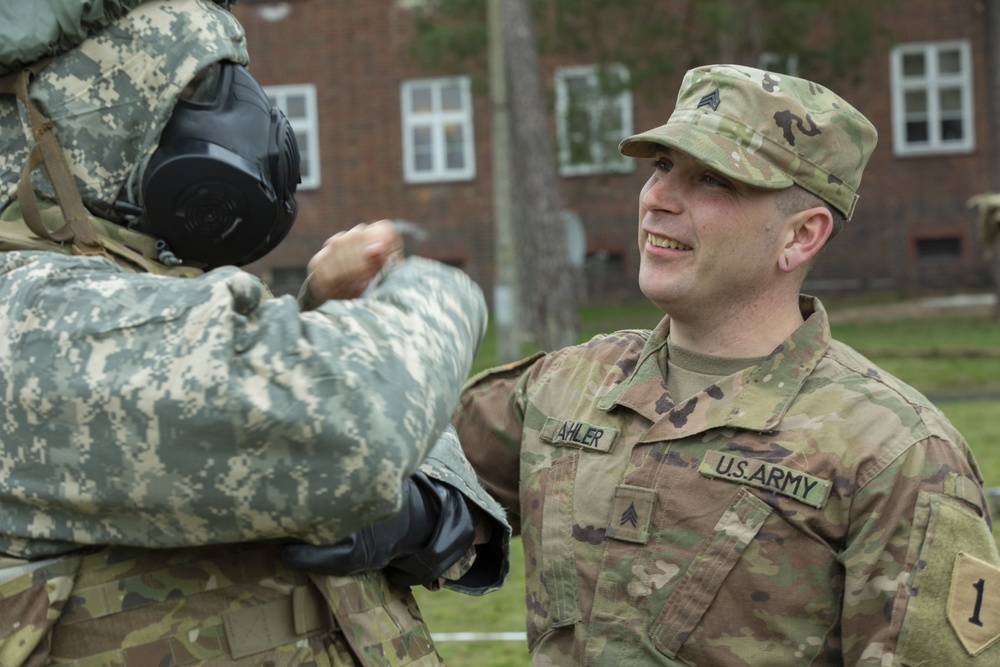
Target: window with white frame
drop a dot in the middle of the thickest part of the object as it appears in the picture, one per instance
(437, 130)
(593, 115)
(932, 98)
(298, 103)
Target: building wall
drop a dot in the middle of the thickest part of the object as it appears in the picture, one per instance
(357, 54)
(904, 199)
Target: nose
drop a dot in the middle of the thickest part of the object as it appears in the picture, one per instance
(660, 193)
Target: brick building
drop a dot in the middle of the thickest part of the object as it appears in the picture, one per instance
(382, 138)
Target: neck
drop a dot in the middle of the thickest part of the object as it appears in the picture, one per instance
(747, 330)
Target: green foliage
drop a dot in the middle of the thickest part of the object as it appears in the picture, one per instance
(941, 357)
(920, 334)
(451, 34)
(826, 40)
(657, 39)
(945, 376)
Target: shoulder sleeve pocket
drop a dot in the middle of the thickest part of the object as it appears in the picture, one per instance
(956, 576)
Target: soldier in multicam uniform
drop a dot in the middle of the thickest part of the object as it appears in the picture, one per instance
(734, 487)
(167, 429)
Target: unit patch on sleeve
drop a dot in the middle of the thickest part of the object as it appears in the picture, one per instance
(807, 489)
(974, 603)
(578, 434)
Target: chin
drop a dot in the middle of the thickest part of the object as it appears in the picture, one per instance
(653, 281)
(652, 295)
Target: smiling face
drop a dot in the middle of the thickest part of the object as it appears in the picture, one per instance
(707, 244)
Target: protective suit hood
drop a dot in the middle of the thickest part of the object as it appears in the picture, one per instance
(110, 97)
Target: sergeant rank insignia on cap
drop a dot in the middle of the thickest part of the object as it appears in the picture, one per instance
(710, 100)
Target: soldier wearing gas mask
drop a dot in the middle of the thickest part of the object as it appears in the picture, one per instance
(173, 440)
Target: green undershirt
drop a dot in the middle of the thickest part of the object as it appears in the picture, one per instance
(689, 372)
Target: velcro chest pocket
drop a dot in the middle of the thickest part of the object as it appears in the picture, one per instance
(701, 582)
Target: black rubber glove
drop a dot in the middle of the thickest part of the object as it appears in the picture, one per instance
(431, 531)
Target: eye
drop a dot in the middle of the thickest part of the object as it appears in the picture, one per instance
(711, 178)
(662, 164)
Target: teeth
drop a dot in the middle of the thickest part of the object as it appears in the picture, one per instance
(663, 242)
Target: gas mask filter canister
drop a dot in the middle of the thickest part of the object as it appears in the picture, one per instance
(220, 188)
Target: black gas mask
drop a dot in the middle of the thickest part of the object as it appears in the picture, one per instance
(220, 188)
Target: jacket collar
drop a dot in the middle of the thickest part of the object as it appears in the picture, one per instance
(754, 399)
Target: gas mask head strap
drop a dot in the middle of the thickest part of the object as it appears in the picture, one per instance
(47, 152)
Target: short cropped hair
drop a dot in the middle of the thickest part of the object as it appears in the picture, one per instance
(796, 198)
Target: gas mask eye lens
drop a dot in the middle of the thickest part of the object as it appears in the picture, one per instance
(201, 87)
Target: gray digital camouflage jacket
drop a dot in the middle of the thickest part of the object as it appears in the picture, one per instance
(202, 417)
(810, 510)
(164, 412)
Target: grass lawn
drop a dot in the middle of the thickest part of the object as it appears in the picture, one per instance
(948, 358)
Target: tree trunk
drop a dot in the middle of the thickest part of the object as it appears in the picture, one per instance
(996, 277)
(993, 67)
(506, 322)
(547, 294)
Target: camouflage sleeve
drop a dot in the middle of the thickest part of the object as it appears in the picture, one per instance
(489, 419)
(183, 412)
(922, 570)
(485, 568)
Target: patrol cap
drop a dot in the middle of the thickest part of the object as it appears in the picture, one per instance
(767, 130)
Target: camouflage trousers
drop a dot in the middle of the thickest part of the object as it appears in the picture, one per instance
(205, 607)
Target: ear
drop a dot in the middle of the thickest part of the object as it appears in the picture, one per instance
(806, 232)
